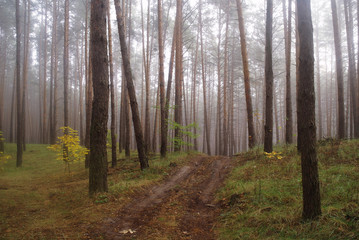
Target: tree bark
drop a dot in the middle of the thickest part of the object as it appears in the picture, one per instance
(113, 108)
(98, 149)
(352, 72)
(131, 89)
(18, 93)
(268, 127)
(247, 88)
(306, 113)
(206, 125)
(288, 98)
(161, 81)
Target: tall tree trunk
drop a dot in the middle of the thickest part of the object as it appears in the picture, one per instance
(306, 113)
(89, 88)
(3, 54)
(53, 74)
(247, 88)
(113, 108)
(225, 80)
(44, 99)
(161, 81)
(12, 120)
(195, 94)
(205, 115)
(131, 89)
(66, 63)
(98, 149)
(268, 127)
(178, 77)
(25, 68)
(288, 96)
(320, 128)
(18, 93)
(352, 71)
(219, 119)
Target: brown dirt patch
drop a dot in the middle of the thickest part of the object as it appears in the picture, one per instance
(181, 207)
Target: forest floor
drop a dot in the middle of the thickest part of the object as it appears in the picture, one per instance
(185, 196)
(181, 207)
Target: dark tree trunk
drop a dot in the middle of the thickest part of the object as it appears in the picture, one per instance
(352, 72)
(18, 93)
(288, 95)
(53, 75)
(161, 81)
(247, 87)
(131, 89)
(98, 149)
(306, 113)
(339, 70)
(268, 127)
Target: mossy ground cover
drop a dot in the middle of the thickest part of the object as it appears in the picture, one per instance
(263, 195)
(41, 200)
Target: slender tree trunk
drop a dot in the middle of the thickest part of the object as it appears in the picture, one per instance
(306, 113)
(161, 81)
(268, 127)
(18, 93)
(219, 120)
(3, 52)
(195, 94)
(225, 80)
(131, 89)
(13, 100)
(25, 68)
(89, 89)
(206, 125)
(339, 70)
(66, 72)
(44, 98)
(288, 98)
(320, 128)
(247, 88)
(98, 149)
(352, 71)
(113, 108)
(178, 77)
(53, 73)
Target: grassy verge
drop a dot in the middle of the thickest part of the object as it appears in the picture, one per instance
(42, 201)
(263, 196)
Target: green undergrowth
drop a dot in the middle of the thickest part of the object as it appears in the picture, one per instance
(263, 196)
(41, 200)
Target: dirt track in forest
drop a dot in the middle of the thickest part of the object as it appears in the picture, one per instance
(181, 207)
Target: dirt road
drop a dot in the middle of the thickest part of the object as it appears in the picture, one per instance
(181, 207)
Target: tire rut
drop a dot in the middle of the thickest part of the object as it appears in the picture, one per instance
(182, 207)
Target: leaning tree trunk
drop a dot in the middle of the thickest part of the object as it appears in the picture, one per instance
(98, 134)
(131, 89)
(247, 87)
(268, 127)
(306, 113)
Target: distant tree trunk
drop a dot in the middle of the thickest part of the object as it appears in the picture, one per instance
(225, 80)
(205, 115)
(268, 127)
(178, 77)
(18, 93)
(288, 98)
(113, 108)
(195, 94)
(98, 149)
(352, 72)
(89, 89)
(53, 74)
(25, 68)
(12, 120)
(219, 120)
(161, 81)
(320, 128)
(66, 63)
(155, 122)
(306, 113)
(131, 89)
(3, 53)
(44, 99)
(247, 88)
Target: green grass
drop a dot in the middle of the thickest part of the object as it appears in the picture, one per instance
(41, 200)
(264, 196)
